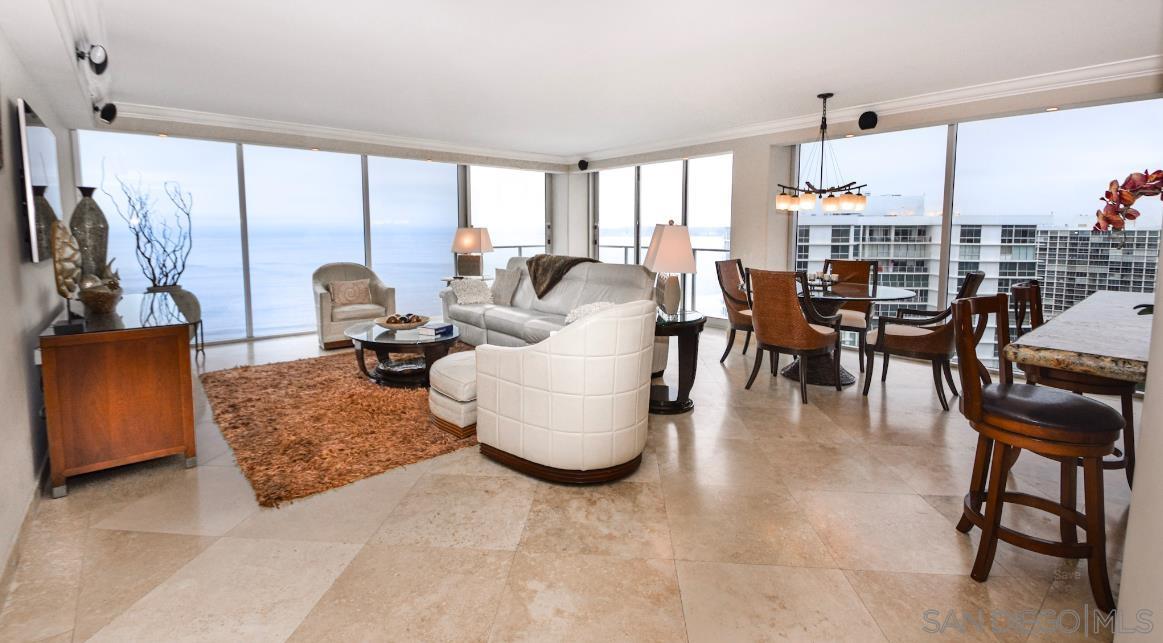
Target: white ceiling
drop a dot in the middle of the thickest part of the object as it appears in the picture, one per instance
(570, 80)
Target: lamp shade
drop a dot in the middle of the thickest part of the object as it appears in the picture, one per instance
(670, 250)
(472, 240)
(807, 201)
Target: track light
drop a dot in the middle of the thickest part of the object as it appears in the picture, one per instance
(106, 113)
(97, 56)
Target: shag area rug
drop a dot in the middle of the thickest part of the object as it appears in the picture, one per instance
(298, 428)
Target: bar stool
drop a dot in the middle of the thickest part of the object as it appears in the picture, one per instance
(1010, 417)
(1027, 298)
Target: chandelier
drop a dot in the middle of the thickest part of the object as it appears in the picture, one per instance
(847, 197)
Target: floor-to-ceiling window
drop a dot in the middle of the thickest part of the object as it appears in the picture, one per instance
(511, 204)
(900, 228)
(659, 198)
(207, 172)
(709, 222)
(303, 209)
(616, 215)
(655, 193)
(413, 207)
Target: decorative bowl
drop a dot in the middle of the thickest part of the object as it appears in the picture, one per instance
(100, 301)
(395, 322)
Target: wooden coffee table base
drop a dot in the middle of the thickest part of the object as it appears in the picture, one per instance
(819, 369)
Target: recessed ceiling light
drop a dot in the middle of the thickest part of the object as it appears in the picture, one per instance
(162, 134)
(314, 149)
(1051, 109)
(849, 135)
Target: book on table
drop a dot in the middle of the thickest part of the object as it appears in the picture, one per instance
(434, 329)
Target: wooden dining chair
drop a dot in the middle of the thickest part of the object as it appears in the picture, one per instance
(919, 334)
(733, 283)
(1026, 300)
(786, 323)
(855, 316)
(1010, 418)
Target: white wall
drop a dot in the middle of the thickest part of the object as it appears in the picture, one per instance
(30, 302)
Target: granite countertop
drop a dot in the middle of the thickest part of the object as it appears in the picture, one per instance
(1101, 335)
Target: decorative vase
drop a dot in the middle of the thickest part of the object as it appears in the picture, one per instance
(91, 229)
(186, 302)
(45, 217)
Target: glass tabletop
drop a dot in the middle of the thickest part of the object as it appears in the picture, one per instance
(371, 333)
(681, 317)
(861, 292)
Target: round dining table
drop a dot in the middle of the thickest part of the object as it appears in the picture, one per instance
(827, 301)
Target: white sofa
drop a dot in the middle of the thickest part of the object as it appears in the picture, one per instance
(332, 320)
(572, 407)
(529, 319)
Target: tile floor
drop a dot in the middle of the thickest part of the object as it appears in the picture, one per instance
(753, 517)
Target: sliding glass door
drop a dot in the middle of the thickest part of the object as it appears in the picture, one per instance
(511, 204)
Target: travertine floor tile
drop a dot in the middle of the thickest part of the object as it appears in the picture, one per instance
(205, 501)
(480, 512)
(626, 519)
(391, 593)
(123, 566)
(727, 602)
(927, 607)
(238, 589)
(822, 467)
(553, 597)
(41, 597)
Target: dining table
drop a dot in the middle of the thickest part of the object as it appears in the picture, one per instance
(1107, 335)
(827, 300)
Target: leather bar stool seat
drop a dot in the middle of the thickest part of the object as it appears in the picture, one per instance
(1058, 415)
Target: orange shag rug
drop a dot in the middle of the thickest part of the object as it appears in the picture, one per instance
(298, 428)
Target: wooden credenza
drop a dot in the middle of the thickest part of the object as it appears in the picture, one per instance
(120, 391)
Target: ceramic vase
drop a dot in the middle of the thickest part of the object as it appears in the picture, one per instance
(91, 229)
(45, 217)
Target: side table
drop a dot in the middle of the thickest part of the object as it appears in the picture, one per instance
(686, 325)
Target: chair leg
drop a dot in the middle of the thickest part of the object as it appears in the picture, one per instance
(884, 369)
(1129, 436)
(987, 548)
(836, 367)
(1069, 495)
(976, 481)
(870, 358)
(746, 342)
(937, 375)
(949, 378)
(861, 343)
(1100, 585)
(730, 344)
(774, 361)
(803, 381)
(755, 369)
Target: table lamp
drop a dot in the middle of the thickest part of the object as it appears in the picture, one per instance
(469, 244)
(670, 253)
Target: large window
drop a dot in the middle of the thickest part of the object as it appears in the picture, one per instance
(511, 204)
(705, 209)
(413, 219)
(303, 209)
(208, 172)
(709, 221)
(900, 228)
(616, 215)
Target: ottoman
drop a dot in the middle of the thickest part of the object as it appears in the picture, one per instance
(452, 393)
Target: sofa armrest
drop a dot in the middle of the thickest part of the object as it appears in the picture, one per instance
(322, 306)
(383, 295)
(447, 298)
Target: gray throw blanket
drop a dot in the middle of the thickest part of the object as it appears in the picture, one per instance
(546, 270)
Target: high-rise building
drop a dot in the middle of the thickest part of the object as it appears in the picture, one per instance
(1072, 264)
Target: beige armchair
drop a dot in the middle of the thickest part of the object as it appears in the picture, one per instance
(332, 320)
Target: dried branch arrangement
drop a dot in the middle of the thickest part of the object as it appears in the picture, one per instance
(162, 243)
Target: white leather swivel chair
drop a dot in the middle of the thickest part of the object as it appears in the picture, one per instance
(573, 407)
(332, 320)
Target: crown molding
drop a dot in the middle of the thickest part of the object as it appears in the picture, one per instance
(211, 119)
(1082, 76)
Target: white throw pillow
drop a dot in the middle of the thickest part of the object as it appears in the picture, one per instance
(471, 291)
(586, 310)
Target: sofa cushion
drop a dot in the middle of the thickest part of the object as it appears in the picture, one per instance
(469, 313)
(538, 330)
(455, 376)
(356, 311)
(510, 320)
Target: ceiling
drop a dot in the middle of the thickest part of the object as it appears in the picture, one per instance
(556, 79)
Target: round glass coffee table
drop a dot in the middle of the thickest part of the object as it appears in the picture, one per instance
(410, 372)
